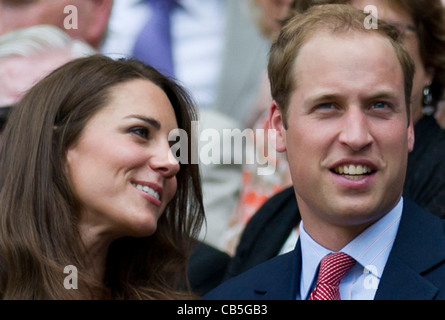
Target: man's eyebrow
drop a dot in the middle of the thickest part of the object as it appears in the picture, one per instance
(323, 97)
(153, 122)
(383, 94)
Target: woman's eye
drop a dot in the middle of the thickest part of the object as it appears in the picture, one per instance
(141, 131)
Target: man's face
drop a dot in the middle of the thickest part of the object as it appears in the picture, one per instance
(348, 134)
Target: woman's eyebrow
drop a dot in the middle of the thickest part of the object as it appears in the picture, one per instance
(151, 121)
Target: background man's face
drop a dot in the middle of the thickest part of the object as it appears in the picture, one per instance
(18, 14)
(348, 136)
(91, 15)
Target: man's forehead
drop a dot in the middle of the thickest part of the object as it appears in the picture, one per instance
(326, 39)
(326, 49)
(329, 63)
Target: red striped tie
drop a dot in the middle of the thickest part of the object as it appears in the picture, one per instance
(333, 268)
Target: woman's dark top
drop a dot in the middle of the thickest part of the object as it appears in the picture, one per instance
(425, 178)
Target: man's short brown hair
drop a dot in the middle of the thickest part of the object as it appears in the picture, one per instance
(334, 18)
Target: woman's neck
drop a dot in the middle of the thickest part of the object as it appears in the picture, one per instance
(96, 244)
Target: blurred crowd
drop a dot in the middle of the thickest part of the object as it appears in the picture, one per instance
(217, 50)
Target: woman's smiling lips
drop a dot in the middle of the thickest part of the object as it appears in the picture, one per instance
(150, 191)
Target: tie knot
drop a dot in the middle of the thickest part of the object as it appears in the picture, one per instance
(333, 268)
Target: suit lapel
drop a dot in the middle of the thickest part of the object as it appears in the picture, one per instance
(401, 282)
(419, 247)
(282, 279)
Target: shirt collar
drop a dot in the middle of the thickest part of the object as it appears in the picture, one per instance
(370, 248)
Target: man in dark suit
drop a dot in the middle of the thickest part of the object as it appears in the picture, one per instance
(341, 111)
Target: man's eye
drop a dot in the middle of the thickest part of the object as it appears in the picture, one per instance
(326, 106)
(380, 105)
(141, 131)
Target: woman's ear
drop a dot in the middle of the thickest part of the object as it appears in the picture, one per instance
(276, 122)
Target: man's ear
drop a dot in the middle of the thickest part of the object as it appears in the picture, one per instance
(411, 136)
(276, 122)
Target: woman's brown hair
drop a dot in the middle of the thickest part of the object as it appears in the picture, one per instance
(38, 217)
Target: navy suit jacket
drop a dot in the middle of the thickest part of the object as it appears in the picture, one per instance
(415, 269)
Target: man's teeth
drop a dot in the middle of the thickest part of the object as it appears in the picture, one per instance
(148, 190)
(353, 170)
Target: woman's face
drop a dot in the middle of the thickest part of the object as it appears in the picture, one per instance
(401, 19)
(120, 167)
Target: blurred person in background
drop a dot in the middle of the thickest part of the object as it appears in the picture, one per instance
(215, 49)
(440, 113)
(257, 189)
(88, 22)
(28, 54)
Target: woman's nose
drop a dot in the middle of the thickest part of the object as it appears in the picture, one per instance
(163, 161)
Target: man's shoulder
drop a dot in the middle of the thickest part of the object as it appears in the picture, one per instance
(416, 265)
(420, 222)
(414, 209)
(269, 280)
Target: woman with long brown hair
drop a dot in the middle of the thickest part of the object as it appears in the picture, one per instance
(88, 180)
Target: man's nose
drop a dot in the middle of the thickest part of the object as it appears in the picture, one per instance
(355, 131)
